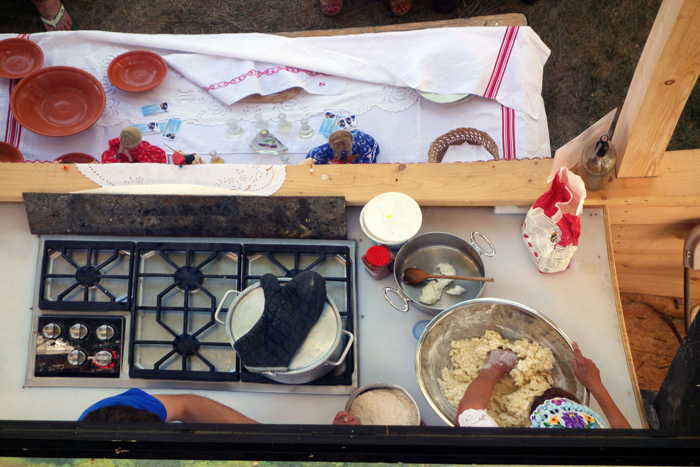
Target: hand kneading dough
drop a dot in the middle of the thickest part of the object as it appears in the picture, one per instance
(511, 399)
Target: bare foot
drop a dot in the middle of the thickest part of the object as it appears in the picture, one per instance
(54, 16)
(400, 7)
(331, 7)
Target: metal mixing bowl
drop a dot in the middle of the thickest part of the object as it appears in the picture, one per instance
(471, 319)
(372, 387)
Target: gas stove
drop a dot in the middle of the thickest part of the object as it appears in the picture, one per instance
(141, 313)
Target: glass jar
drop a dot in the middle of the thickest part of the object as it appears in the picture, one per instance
(597, 161)
(378, 261)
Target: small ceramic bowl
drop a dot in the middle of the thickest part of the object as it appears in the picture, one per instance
(137, 71)
(19, 57)
(9, 153)
(75, 158)
(58, 101)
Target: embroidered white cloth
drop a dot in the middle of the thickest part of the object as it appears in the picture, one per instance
(231, 79)
(262, 180)
(379, 71)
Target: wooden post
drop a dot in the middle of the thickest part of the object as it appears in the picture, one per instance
(664, 78)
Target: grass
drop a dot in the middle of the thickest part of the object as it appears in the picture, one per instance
(595, 45)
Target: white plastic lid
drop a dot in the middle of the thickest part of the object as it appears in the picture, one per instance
(392, 217)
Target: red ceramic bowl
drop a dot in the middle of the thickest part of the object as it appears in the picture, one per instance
(19, 57)
(136, 71)
(9, 153)
(75, 158)
(58, 101)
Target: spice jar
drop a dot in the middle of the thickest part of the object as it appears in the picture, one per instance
(378, 261)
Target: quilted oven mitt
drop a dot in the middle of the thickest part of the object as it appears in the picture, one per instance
(289, 314)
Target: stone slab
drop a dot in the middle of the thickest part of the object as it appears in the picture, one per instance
(315, 217)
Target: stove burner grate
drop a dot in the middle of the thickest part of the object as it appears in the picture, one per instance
(86, 276)
(176, 336)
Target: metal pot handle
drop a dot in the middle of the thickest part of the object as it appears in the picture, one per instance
(351, 339)
(399, 294)
(221, 304)
(476, 245)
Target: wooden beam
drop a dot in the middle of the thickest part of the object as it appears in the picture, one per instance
(492, 183)
(509, 19)
(664, 78)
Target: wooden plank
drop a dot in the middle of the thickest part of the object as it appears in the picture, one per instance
(664, 78)
(493, 183)
(655, 215)
(509, 19)
(654, 284)
(621, 320)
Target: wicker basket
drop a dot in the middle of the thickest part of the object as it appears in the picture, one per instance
(458, 136)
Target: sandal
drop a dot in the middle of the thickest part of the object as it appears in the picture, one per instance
(331, 7)
(400, 7)
(56, 19)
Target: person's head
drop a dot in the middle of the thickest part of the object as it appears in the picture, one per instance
(121, 413)
(341, 143)
(557, 408)
(552, 393)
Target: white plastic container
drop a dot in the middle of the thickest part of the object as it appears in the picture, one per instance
(391, 219)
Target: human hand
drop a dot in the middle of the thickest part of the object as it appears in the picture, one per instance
(585, 370)
(502, 359)
(345, 418)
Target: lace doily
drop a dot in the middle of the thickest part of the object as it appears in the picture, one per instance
(262, 180)
(192, 104)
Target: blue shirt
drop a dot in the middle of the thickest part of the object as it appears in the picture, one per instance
(135, 398)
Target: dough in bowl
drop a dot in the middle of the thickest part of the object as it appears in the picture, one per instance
(511, 399)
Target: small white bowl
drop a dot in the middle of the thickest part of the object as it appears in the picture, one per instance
(391, 219)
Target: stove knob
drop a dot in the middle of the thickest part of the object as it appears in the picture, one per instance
(103, 358)
(105, 332)
(51, 331)
(77, 357)
(78, 331)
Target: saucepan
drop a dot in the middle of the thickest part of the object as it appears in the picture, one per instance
(428, 250)
(321, 352)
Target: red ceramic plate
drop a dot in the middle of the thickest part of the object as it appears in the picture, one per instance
(19, 57)
(9, 153)
(58, 101)
(75, 158)
(137, 71)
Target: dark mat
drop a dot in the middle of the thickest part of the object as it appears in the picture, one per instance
(313, 217)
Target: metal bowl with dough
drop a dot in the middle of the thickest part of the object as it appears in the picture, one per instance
(473, 318)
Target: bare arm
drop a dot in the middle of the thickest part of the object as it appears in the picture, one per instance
(197, 409)
(345, 418)
(498, 364)
(587, 372)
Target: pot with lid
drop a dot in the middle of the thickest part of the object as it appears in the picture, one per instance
(426, 251)
(321, 351)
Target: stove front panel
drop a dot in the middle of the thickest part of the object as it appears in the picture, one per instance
(79, 346)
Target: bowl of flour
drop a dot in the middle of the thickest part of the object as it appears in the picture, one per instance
(383, 404)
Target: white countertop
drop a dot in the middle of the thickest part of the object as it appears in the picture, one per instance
(580, 301)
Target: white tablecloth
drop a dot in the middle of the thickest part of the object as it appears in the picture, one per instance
(373, 76)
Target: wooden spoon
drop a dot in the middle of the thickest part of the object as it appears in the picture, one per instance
(417, 275)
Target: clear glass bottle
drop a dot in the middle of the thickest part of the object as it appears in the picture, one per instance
(597, 161)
